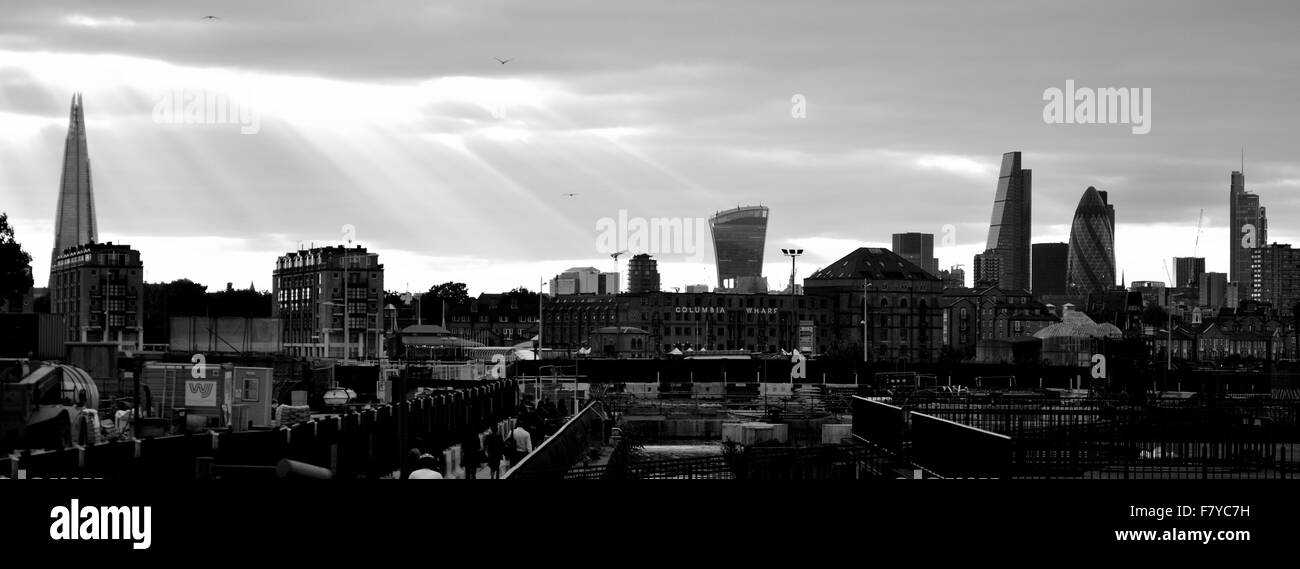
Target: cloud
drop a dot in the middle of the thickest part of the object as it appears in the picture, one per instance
(434, 151)
(84, 21)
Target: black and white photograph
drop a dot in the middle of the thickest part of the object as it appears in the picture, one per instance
(270, 251)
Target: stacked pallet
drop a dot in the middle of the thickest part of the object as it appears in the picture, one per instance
(287, 415)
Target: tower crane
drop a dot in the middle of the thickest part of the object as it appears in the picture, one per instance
(1197, 244)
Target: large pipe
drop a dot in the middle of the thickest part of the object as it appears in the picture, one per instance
(294, 469)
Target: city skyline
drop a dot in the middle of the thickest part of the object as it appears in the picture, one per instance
(455, 134)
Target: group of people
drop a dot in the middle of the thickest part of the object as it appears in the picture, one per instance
(484, 447)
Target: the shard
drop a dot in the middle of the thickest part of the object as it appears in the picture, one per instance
(74, 223)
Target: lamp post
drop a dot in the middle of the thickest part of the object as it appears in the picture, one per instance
(537, 350)
(794, 314)
(866, 320)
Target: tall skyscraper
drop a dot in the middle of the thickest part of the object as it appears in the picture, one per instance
(1051, 267)
(1010, 225)
(1247, 217)
(1188, 271)
(74, 223)
(738, 239)
(917, 248)
(1092, 244)
(1213, 289)
(642, 274)
(1275, 276)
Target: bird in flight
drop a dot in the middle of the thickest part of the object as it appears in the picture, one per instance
(504, 61)
(569, 195)
(209, 18)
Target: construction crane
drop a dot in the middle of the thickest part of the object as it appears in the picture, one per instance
(1197, 244)
(615, 256)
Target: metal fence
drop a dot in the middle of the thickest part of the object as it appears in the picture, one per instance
(1088, 438)
(755, 463)
(361, 444)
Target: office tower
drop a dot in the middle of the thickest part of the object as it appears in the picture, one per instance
(584, 280)
(320, 293)
(917, 248)
(100, 287)
(1153, 292)
(1092, 244)
(1188, 271)
(986, 269)
(642, 274)
(1010, 225)
(74, 223)
(1051, 265)
(1213, 289)
(1275, 276)
(738, 239)
(1245, 213)
(954, 277)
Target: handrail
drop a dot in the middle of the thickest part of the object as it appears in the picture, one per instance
(593, 407)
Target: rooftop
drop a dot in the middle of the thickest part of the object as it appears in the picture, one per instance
(872, 263)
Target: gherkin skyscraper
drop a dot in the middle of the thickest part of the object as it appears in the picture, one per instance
(74, 223)
(1092, 244)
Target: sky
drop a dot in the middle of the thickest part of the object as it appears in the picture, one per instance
(219, 144)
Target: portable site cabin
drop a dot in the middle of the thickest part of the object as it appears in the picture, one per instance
(208, 395)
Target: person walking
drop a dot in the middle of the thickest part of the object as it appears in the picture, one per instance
(471, 454)
(429, 467)
(494, 449)
(523, 444)
(412, 461)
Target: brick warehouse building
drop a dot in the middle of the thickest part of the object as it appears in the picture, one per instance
(309, 289)
(100, 287)
(875, 294)
(708, 320)
(495, 319)
(903, 314)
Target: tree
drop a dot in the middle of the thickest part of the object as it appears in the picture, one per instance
(522, 297)
(1154, 315)
(177, 298)
(15, 265)
(449, 292)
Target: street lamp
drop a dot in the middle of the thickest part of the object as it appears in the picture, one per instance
(794, 314)
(866, 319)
